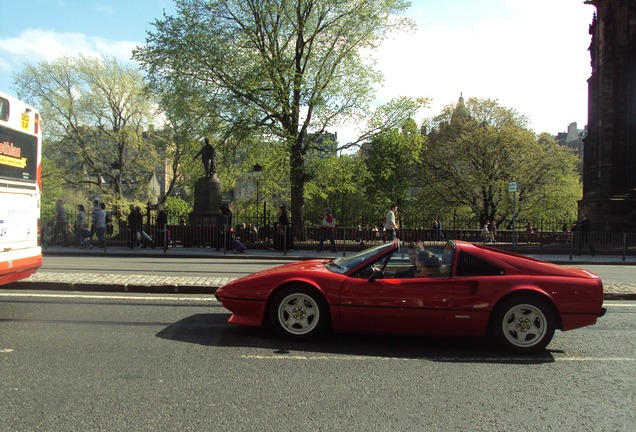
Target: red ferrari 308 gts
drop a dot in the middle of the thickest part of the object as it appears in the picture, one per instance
(461, 289)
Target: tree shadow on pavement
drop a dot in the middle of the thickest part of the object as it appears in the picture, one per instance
(213, 330)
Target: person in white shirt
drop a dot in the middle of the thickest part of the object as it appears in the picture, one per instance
(391, 225)
(101, 225)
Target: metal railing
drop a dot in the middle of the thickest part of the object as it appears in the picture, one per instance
(549, 244)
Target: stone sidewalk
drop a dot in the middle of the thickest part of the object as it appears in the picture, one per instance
(143, 283)
(112, 282)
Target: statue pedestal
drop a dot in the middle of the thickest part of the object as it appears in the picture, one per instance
(208, 197)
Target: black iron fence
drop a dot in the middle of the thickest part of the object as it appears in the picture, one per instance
(346, 239)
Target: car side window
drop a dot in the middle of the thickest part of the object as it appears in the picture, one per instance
(470, 265)
(400, 266)
(368, 271)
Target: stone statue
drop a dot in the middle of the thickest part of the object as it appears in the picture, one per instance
(208, 157)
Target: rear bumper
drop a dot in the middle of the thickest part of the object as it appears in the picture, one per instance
(578, 320)
(12, 270)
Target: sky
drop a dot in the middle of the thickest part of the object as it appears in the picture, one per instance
(529, 55)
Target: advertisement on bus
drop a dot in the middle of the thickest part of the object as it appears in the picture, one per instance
(18, 155)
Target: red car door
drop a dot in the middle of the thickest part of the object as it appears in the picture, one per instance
(408, 305)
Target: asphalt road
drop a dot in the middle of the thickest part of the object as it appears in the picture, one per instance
(87, 362)
(232, 267)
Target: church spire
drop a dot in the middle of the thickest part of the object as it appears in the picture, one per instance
(460, 111)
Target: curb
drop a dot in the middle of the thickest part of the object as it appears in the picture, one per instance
(168, 288)
(619, 296)
(112, 288)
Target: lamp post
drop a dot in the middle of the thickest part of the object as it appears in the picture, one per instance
(513, 187)
(116, 173)
(257, 170)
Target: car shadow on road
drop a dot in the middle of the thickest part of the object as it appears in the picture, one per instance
(213, 330)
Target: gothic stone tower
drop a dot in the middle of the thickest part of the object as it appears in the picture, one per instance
(609, 167)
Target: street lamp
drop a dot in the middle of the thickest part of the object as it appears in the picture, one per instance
(257, 170)
(115, 169)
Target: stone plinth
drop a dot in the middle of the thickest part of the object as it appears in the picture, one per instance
(208, 197)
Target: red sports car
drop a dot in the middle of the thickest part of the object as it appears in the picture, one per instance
(460, 289)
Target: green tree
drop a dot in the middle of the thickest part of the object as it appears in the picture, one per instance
(476, 148)
(96, 111)
(338, 182)
(289, 69)
(186, 121)
(176, 207)
(554, 180)
(51, 186)
(391, 161)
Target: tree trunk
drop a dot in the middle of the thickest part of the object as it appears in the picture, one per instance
(297, 180)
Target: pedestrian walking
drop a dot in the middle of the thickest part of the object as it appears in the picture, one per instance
(163, 236)
(135, 221)
(101, 225)
(485, 236)
(327, 230)
(80, 225)
(438, 233)
(391, 225)
(223, 228)
(585, 235)
(283, 239)
(492, 230)
(60, 223)
(94, 217)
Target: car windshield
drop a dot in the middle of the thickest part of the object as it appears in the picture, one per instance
(343, 264)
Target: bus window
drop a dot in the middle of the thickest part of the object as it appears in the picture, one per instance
(4, 109)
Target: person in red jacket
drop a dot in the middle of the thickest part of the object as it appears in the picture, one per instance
(328, 230)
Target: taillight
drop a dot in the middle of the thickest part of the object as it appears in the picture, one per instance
(36, 124)
(39, 233)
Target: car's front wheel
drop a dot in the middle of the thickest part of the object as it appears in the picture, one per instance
(523, 324)
(298, 312)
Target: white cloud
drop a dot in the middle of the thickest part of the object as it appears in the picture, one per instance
(536, 63)
(35, 45)
(530, 55)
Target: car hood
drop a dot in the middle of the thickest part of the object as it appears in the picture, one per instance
(309, 265)
(275, 275)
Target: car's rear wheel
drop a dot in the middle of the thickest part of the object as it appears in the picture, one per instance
(298, 312)
(523, 324)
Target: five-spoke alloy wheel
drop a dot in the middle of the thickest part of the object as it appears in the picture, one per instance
(298, 312)
(523, 324)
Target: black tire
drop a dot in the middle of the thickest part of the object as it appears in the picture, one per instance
(298, 312)
(523, 324)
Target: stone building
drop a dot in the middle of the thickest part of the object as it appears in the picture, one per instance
(572, 139)
(609, 168)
